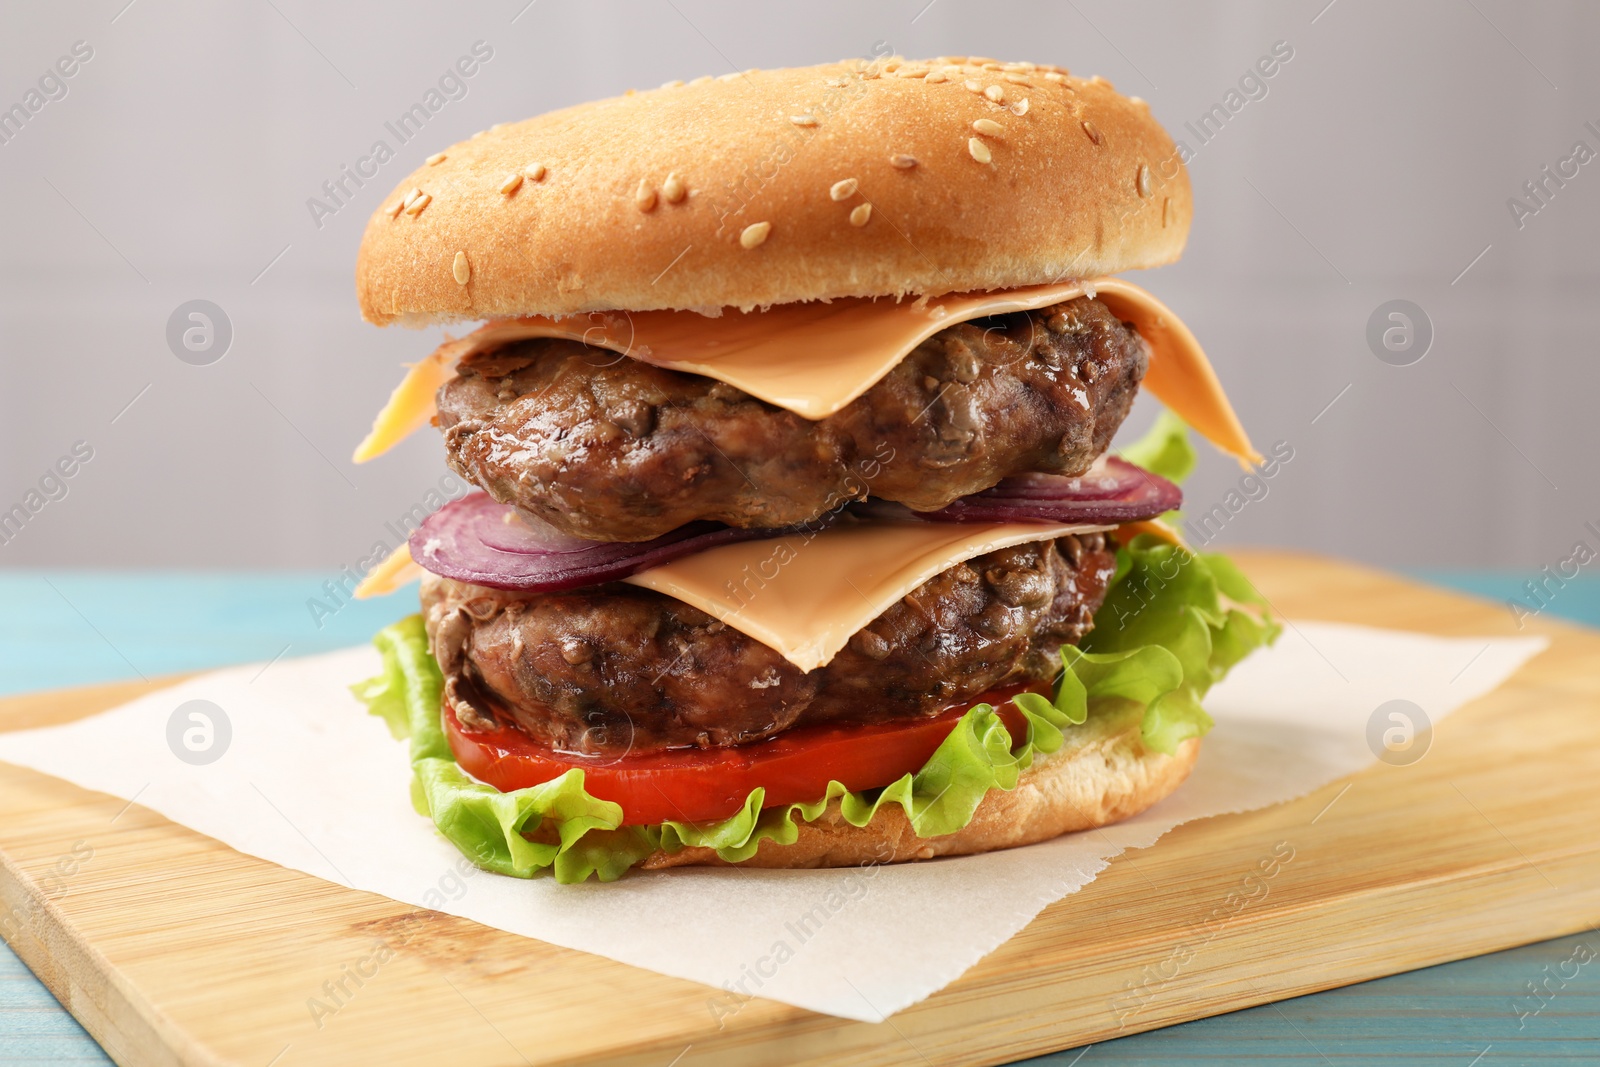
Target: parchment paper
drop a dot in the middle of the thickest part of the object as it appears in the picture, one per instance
(307, 779)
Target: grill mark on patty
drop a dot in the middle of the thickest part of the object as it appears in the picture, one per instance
(615, 668)
(617, 450)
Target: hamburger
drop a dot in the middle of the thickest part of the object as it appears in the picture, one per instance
(798, 537)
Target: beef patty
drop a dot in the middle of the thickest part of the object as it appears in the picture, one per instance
(609, 448)
(615, 668)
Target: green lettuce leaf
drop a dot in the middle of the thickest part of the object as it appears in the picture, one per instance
(1164, 449)
(1196, 607)
(1173, 624)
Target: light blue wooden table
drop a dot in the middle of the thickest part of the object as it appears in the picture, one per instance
(74, 628)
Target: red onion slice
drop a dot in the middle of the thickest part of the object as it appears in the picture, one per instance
(1099, 482)
(477, 540)
(511, 531)
(1114, 491)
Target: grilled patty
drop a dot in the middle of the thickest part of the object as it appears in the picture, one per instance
(615, 668)
(612, 449)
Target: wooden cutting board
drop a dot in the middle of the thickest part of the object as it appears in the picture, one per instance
(172, 948)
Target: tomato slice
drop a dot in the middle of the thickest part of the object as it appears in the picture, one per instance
(701, 785)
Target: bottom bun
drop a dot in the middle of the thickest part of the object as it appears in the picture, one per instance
(1101, 774)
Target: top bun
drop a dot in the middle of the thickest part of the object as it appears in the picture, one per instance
(880, 178)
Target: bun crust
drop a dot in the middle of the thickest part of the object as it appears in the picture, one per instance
(1101, 775)
(656, 199)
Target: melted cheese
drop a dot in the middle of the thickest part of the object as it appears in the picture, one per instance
(412, 405)
(806, 594)
(815, 358)
(398, 569)
(1129, 530)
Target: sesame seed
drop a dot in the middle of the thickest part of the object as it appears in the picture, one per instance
(972, 86)
(394, 209)
(754, 234)
(1094, 134)
(836, 83)
(860, 214)
(645, 196)
(843, 189)
(995, 94)
(728, 77)
(1020, 108)
(1138, 101)
(978, 150)
(1142, 182)
(1166, 211)
(1017, 79)
(673, 84)
(936, 76)
(803, 120)
(701, 80)
(902, 161)
(461, 269)
(1097, 80)
(911, 72)
(511, 185)
(412, 195)
(673, 190)
(435, 159)
(535, 172)
(1022, 65)
(414, 207)
(991, 65)
(1052, 76)
(988, 127)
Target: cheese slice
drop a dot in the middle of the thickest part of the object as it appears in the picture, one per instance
(1129, 530)
(806, 594)
(411, 406)
(398, 569)
(815, 358)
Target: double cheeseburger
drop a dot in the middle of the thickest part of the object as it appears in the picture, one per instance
(797, 537)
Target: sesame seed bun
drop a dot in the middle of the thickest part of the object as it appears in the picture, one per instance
(886, 178)
(1101, 774)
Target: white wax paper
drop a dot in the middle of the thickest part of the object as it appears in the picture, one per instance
(310, 781)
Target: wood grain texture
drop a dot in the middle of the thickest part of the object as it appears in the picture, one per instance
(172, 948)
